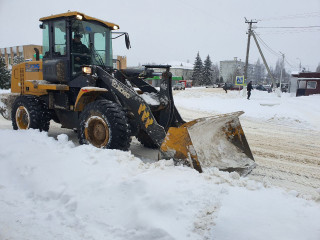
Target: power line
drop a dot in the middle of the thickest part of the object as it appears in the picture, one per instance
(290, 31)
(286, 60)
(292, 16)
(292, 27)
(268, 48)
(274, 52)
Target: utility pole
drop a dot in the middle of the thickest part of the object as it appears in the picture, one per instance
(264, 60)
(248, 47)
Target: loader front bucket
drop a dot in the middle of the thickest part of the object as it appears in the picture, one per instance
(204, 143)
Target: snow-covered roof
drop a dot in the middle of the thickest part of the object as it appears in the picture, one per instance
(179, 64)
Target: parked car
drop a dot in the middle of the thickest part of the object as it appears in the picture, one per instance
(228, 86)
(179, 86)
(231, 86)
(261, 88)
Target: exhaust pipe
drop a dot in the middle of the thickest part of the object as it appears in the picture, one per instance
(37, 54)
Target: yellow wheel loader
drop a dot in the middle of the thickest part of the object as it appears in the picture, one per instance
(76, 85)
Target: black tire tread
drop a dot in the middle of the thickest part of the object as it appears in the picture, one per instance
(120, 137)
(37, 109)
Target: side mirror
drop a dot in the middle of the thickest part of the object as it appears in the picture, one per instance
(127, 40)
(126, 35)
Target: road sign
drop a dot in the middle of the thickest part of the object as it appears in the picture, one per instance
(240, 80)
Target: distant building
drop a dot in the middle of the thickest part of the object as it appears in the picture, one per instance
(231, 68)
(120, 62)
(25, 51)
(180, 71)
(304, 84)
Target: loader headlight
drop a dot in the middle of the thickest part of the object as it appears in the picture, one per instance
(79, 17)
(87, 70)
(115, 27)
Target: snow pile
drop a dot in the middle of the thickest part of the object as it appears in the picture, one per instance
(52, 189)
(151, 98)
(302, 111)
(3, 108)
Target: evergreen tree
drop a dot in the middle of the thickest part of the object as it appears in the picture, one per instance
(318, 68)
(4, 75)
(197, 71)
(207, 72)
(17, 60)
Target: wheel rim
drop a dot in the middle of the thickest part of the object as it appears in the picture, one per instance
(22, 118)
(97, 131)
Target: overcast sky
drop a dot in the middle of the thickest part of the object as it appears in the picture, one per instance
(175, 30)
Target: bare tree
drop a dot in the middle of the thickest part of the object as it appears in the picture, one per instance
(259, 72)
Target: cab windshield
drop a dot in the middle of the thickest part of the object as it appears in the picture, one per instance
(91, 45)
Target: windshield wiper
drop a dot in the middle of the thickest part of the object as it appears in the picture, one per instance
(97, 57)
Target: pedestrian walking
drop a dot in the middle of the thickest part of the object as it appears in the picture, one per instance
(225, 87)
(249, 88)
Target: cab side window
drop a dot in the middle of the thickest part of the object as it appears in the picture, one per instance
(45, 39)
(59, 29)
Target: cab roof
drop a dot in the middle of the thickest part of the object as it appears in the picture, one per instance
(85, 17)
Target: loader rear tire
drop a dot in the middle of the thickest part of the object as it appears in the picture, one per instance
(29, 112)
(145, 140)
(104, 125)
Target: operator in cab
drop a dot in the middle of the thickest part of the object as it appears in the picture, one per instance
(80, 51)
(77, 45)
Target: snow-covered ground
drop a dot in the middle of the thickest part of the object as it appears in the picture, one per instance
(52, 188)
(303, 112)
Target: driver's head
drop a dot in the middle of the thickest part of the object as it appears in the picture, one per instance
(77, 37)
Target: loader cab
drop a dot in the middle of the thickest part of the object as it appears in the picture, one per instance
(71, 40)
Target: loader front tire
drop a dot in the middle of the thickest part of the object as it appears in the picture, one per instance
(29, 112)
(104, 124)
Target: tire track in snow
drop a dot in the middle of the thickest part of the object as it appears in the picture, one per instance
(287, 156)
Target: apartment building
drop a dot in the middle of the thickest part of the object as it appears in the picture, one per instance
(25, 51)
